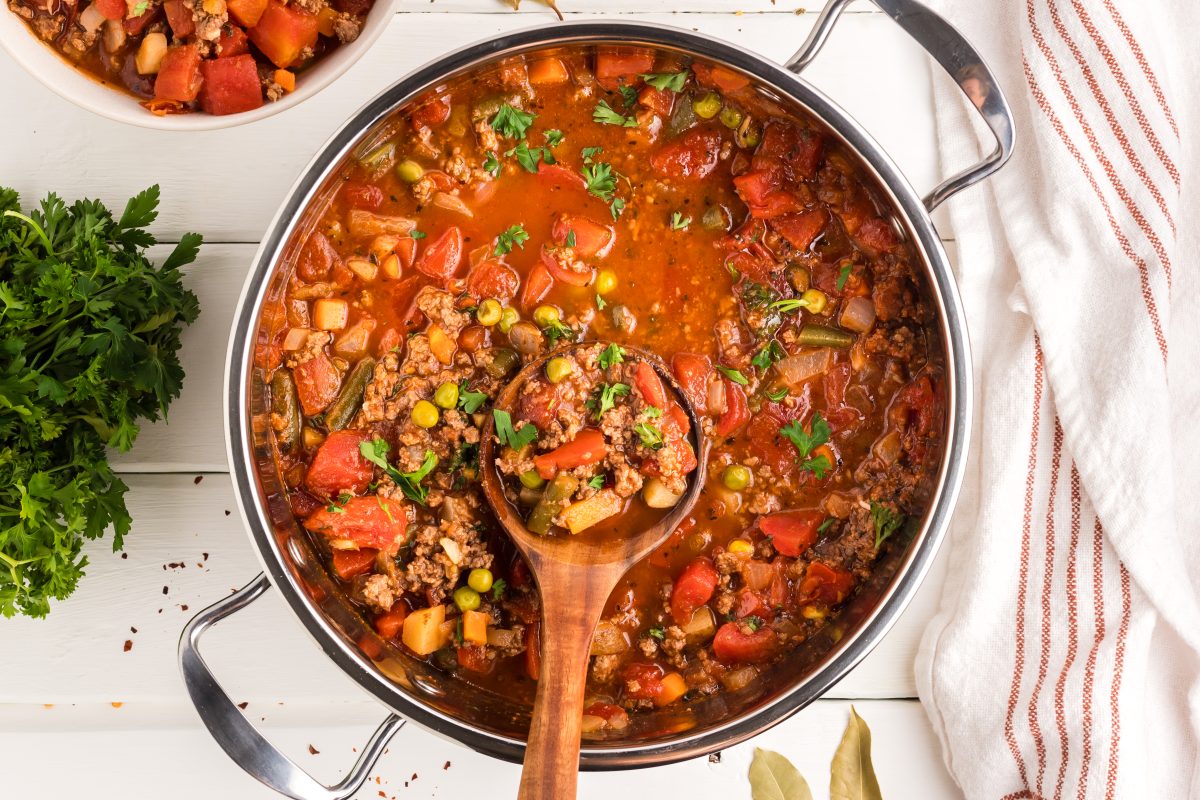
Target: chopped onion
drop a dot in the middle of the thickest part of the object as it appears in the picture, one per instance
(701, 627)
(114, 35)
(452, 549)
(716, 396)
(503, 638)
(608, 640)
(739, 678)
(858, 315)
(452, 203)
(90, 19)
(295, 339)
(365, 224)
(796, 369)
(757, 575)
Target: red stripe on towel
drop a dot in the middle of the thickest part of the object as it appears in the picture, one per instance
(1089, 673)
(1114, 743)
(1151, 78)
(1060, 715)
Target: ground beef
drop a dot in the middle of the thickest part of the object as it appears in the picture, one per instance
(314, 344)
(347, 28)
(379, 591)
(604, 668)
(429, 570)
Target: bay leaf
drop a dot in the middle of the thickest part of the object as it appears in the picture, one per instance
(773, 777)
(852, 776)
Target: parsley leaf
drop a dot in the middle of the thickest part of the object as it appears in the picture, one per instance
(376, 452)
(886, 522)
(653, 412)
(826, 525)
(605, 115)
(498, 588)
(570, 241)
(601, 303)
(753, 622)
(651, 437)
(512, 122)
(554, 137)
(613, 354)
(510, 437)
(606, 397)
(469, 401)
(806, 441)
(89, 336)
(666, 81)
(491, 164)
(628, 94)
(844, 275)
(416, 234)
(771, 352)
(775, 395)
(515, 235)
(600, 179)
(588, 153)
(556, 332)
(733, 375)
(817, 465)
(657, 633)
(597, 482)
(616, 207)
(140, 8)
(527, 156)
(679, 221)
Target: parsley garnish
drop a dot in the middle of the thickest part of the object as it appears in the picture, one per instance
(651, 437)
(466, 458)
(606, 398)
(600, 179)
(601, 304)
(491, 164)
(657, 633)
(89, 332)
(416, 234)
(628, 94)
(376, 452)
(333, 508)
(605, 115)
(515, 439)
(515, 235)
(556, 332)
(790, 304)
(666, 81)
(753, 622)
(469, 401)
(498, 588)
(733, 375)
(588, 152)
(806, 442)
(140, 9)
(570, 241)
(554, 137)
(613, 354)
(771, 352)
(886, 522)
(597, 482)
(653, 412)
(616, 207)
(826, 525)
(844, 275)
(512, 122)
(679, 221)
(775, 395)
(528, 157)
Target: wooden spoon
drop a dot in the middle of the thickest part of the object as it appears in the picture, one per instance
(575, 576)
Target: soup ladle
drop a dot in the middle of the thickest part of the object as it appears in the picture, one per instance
(575, 576)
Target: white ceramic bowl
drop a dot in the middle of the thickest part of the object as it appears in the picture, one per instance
(59, 75)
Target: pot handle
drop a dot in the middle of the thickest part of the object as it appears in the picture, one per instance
(234, 733)
(960, 60)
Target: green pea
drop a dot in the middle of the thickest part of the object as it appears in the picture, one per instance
(409, 171)
(546, 315)
(466, 598)
(736, 477)
(446, 395)
(746, 136)
(480, 580)
(531, 480)
(707, 106)
(558, 369)
(489, 312)
(508, 318)
(425, 414)
(730, 117)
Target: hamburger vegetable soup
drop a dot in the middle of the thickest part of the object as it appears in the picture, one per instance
(629, 199)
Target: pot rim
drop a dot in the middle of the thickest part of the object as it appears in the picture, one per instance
(903, 200)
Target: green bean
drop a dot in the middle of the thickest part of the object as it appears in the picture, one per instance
(820, 336)
(350, 398)
(557, 494)
(502, 363)
(285, 406)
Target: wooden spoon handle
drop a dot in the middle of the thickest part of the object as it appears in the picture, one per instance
(551, 768)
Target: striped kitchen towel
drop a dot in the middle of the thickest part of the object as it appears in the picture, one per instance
(1065, 657)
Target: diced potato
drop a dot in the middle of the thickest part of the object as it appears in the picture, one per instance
(701, 627)
(673, 688)
(608, 640)
(592, 723)
(362, 268)
(503, 637)
(391, 266)
(657, 495)
(331, 313)
(383, 246)
(150, 54)
(423, 630)
(475, 627)
(312, 437)
(452, 549)
(739, 678)
(441, 345)
(352, 344)
(581, 515)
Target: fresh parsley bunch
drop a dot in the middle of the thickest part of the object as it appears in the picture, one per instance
(89, 336)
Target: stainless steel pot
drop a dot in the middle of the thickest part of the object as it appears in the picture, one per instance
(411, 689)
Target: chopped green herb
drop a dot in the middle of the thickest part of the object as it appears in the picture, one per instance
(376, 452)
(753, 622)
(790, 304)
(514, 236)
(605, 115)
(628, 94)
(498, 588)
(416, 234)
(844, 275)
(653, 412)
(826, 525)
(817, 465)
(657, 633)
(333, 508)
(733, 375)
(588, 152)
(616, 207)
(140, 9)
(466, 458)
(666, 81)
(570, 241)
(469, 401)
(775, 395)
(554, 137)
(613, 354)
(556, 332)
(597, 482)
(679, 221)
(601, 304)
(512, 122)
(491, 164)
(510, 437)
(886, 522)
(606, 397)
(651, 437)
(600, 179)
(807, 441)
(771, 352)
(527, 156)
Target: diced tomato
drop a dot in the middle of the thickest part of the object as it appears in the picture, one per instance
(431, 113)
(792, 532)
(563, 266)
(737, 410)
(406, 249)
(615, 716)
(230, 85)
(732, 646)
(443, 257)
(642, 681)
(693, 588)
(783, 142)
(232, 42)
(317, 383)
(389, 624)
(374, 521)
(559, 177)
(588, 447)
(806, 157)
(876, 235)
(650, 385)
(366, 196)
(473, 657)
(751, 604)
(317, 257)
(491, 278)
(692, 156)
(660, 101)
(533, 650)
(179, 16)
(111, 9)
(754, 187)
(349, 564)
(915, 407)
(338, 466)
(548, 72)
(692, 372)
(824, 584)
(539, 404)
(801, 229)
(537, 284)
(282, 33)
(621, 65)
(720, 78)
(179, 74)
(246, 13)
(592, 239)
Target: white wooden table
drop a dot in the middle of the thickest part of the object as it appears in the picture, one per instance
(80, 716)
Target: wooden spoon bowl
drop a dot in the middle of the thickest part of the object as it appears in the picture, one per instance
(575, 576)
